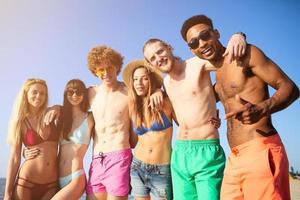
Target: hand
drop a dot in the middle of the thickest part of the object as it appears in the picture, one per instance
(236, 47)
(30, 153)
(52, 115)
(215, 121)
(248, 113)
(156, 100)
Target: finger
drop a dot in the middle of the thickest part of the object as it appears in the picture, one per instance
(225, 53)
(240, 52)
(233, 114)
(151, 104)
(241, 100)
(243, 50)
(230, 55)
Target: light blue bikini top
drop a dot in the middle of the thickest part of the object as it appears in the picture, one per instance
(80, 135)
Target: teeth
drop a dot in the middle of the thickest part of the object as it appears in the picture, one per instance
(206, 50)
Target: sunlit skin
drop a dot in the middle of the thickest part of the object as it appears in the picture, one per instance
(107, 73)
(43, 169)
(74, 98)
(36, 96)
(210, 49)
(159, 55)
(184, 89)
(152, 147)
(245, 94)
(141, 81)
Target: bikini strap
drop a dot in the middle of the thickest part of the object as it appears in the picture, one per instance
(28, 124)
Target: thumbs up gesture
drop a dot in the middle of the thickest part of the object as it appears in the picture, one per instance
(247, 113)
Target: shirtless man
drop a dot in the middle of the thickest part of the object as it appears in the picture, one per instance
(198, 160)
(258, 166)
(109, 169)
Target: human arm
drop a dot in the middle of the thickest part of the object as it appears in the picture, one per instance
(286, 90)
(133, 138)
(236, 47)
(52, 114)
(156, 100)
(12, 170)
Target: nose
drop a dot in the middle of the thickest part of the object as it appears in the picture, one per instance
(202, 43)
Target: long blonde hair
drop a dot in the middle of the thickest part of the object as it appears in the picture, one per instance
(139, 108)
(21, 111)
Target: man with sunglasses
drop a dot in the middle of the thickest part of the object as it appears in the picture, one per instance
(258, 166)
(198, 160)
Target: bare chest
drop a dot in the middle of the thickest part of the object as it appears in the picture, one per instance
(232, 80)
(109, 106)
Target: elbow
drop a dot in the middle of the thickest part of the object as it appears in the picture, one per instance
(295, 93)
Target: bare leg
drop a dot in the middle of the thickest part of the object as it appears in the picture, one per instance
(97, 196)
(72, 191)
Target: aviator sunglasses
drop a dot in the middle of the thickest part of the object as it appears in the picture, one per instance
(76, 92)
(203, 35)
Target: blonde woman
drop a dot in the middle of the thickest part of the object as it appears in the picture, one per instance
(36, 178)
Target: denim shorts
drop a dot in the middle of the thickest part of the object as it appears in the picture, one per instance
(150, 180)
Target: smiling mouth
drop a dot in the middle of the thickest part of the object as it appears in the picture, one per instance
(206, 51)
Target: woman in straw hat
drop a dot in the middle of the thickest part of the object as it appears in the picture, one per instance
(37, 178)
(150, 168)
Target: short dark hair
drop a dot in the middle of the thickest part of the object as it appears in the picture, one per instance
(192, 21)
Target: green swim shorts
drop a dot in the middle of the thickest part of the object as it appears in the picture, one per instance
(197, 169)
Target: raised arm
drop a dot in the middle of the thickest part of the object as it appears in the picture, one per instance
(12, 170)
(236, 47)
(286, 90)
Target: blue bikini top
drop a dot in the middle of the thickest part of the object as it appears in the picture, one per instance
(80, 135)
(156, 126)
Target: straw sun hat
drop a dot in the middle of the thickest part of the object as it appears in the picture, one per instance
(131, 66)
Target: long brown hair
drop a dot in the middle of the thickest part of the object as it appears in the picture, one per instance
(139, 108)
(21, 111)
(65, 121)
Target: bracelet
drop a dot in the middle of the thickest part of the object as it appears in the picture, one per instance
(242, 34)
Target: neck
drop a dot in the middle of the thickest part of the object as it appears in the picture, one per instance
(110, 86)
(76, 111)
(177, 67)
(33, 112)
(219, 59)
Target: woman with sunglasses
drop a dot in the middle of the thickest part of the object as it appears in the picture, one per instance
(37, 178)
(75, 124)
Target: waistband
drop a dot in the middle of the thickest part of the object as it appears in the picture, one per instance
(112, 153)
(143, 164)
(191, 143)
(257, 144)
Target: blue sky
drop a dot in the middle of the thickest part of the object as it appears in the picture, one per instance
(50, 39)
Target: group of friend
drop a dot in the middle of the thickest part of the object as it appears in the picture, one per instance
(139, 114)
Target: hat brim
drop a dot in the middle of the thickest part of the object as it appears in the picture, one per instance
(131, 66)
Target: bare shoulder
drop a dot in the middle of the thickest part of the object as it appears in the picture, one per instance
(90, 118)
(92, 90)
(195, 61)
(255, 56)
(122, 87)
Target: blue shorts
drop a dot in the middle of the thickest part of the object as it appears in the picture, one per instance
(150, 180)
(65, 180)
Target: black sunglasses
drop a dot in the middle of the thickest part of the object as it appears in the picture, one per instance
(76, 92)
(203, 35)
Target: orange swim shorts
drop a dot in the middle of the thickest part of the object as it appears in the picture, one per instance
(257, 170)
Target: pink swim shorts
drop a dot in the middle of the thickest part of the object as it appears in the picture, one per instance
(110, 172)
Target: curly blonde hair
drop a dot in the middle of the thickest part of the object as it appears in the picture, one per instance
(100, 55)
